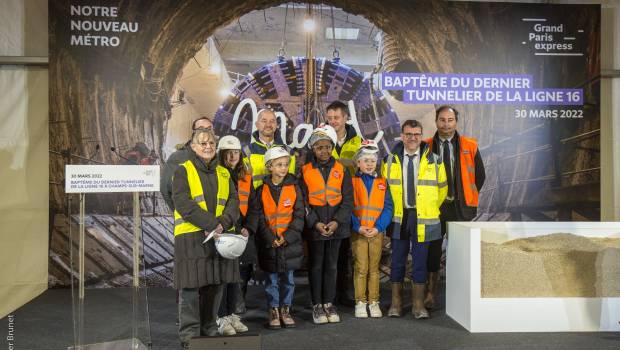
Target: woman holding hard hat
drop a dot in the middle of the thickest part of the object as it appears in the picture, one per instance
(206, 205)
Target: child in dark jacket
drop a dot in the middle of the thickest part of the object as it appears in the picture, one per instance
(278, 239)
(326, 185)
(372, 214)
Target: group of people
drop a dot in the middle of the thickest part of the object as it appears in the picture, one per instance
(334, 202)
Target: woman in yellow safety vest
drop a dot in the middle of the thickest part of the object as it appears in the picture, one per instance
(205, 201)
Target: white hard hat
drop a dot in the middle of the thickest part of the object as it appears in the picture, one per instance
(367, 148)
(275, 153)
(231, 246)
(323, 132)
(229, 142)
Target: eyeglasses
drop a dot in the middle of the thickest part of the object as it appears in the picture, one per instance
(205, 144)
(410, 135)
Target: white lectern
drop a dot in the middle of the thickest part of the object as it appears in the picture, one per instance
(82, 179)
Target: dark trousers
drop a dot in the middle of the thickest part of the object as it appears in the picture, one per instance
(233, 297)
(344, 281)
(449, 212)
(402, 247)
(198, 311)
(323, 268)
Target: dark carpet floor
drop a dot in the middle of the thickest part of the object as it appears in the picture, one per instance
(46, 323)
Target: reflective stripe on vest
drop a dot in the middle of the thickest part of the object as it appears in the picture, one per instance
(243, 187)
(257, 164)
(319, 193)
(197, 194)
(392, 172)
(468, 147)
(431, 192)
(279, 217)
(368, 207)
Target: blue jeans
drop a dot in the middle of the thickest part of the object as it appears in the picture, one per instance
(272, 288)
(419, 254)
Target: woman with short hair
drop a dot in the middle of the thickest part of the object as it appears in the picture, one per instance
(205, 201)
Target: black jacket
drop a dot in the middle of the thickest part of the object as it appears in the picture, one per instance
(340, 213)
(464, 212)
(197, 264)
(189, 209)
(288, 256)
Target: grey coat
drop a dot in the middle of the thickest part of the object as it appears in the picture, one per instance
(197, 264)
(169, 168)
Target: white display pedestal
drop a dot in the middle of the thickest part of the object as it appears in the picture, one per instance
(463, 284)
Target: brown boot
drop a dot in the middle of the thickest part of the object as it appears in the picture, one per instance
(418, 309)
(274, 318)
(396, 308)
(287, 319)
(433, 281)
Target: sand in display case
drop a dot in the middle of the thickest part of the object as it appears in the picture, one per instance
(534, 276)
(554, 265)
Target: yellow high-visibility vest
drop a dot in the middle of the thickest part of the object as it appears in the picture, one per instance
(197, 194)
(432, 189)
(347, 152)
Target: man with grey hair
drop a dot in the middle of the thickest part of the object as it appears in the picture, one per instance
(265, 137)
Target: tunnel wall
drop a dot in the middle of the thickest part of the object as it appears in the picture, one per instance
(103, 97)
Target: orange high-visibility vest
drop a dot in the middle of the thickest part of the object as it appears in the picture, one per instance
(368, 208)
(279, 216)
(244, 192)
(467, 153)
(319, 193)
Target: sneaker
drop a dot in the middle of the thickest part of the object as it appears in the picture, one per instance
(224, 327)
(330, 311)
(318, 314)
(360, 310)
(375, 310)
(235, 322)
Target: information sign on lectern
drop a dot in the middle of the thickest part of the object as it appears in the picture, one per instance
(83, 179)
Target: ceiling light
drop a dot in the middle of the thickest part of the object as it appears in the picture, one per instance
(309, 25)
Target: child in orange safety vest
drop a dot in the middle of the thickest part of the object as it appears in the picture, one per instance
(328, 196)
(279, 202)
(372, 213)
